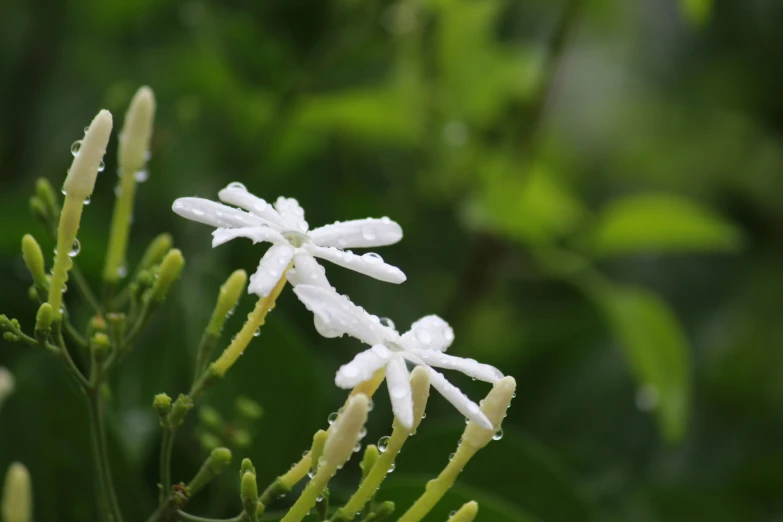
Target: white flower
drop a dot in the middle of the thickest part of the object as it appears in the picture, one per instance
(6, 384)
(424, 344)
(283, 225)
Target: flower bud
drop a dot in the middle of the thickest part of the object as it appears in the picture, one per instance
(228, 297)
(7, 384)
(384, 511)
(420, 388)
(494, 407)
(45, 192)
(34, 260)
(170, 269)
(215, 464)
(116, 325)
(100, 345)
(87, 162)
(241, 438)
(210, 417)
(371, 455)
(17, 494)
(179, 410)
(247, 465)
(466, 513)
(248, 408)
(317, 449)
(155, 252)
(137, 131)
(248, 491)
(39, 212)
(43, 322)
(162, 404)
(344, 433)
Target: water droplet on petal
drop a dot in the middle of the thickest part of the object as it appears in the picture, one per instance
(392, 467)
(236, 186)
(369, 233)
(75, 248)
(372, 258)
(101, 166)
(385, 321)
(75, 146)
(423, 335)
(87, 201)
(332, 417)
(498, 435)
(383, 443)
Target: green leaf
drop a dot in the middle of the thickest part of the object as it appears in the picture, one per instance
(657, 351)
(660, 222)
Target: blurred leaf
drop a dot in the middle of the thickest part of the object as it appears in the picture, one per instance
(696, 12)
(660, 222)
(657, 351)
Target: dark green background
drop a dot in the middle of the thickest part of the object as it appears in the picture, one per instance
(497, 133)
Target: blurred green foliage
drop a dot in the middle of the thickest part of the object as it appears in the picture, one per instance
(590, 195)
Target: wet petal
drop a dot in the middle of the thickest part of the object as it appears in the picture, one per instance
(256, 234)
(310, 272)
(460, 401)
(238, 195)
(292, 213)
(215, 214)
(340, 314)
(370, 264)
(469, 367)
(362, 367)
(400, 393)
(359, 233)
(270, 269)
(430, 332)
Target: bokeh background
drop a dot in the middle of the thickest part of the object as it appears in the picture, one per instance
(590, 194)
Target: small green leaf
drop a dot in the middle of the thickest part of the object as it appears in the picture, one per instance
(663, 223)
(657, 351)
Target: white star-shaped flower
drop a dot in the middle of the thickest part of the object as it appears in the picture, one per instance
(283, 225)
(424, 344)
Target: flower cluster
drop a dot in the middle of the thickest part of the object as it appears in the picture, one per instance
(293, 254)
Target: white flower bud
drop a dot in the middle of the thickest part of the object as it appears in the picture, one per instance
(345, 431)
(6, 384)
(466, 513)
(494, 407)
(17, 494)
(88, 158)
(137, 131)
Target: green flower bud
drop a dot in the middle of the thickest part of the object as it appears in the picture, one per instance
(116, 325)
(384, 511)
(44, 191)
(34, 259)
(228, 297)
(87, 162)
(217, 462)
(100, 345)
(317, 450)
(247, 466)
(156, 251)
(344, 433)
(32, 293)
(371, 456)
(248, 408)
(170, 269)
(10, 337)
(241, 438)
(162, 404)
(209, 441)
(17, 494)
(179, 410)
(210, 417)
(43, 322)
(494, 407)
(466, 513)
(249, 494)
(39, 212)
(137, 130)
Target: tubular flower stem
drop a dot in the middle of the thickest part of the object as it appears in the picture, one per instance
(420, 384)
(77, 187)
(255, 320)
(473, 439)
(466, 513)
(131, 158)
(337, 450)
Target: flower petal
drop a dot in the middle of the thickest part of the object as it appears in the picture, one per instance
(430, 332)
(470, 367)
(309, 271)
(358, 233)
(257, 234)
(400, 393)
(239, 196)
(362, 367)
(215, 214)
(270, 269)
(370, 264)
(339, 313)
(460, 401)
(292, 213)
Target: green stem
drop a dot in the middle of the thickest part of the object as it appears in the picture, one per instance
(85, 289)
(120, 227)
(106, 485)
(166, 447)
(70, 365)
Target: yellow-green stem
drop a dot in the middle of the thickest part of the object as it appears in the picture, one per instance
(438, 487)
(255, 320)
(66, 235)
(120, 227)
(309, 496)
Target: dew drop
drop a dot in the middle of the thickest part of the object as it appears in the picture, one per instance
(311, 473)
(117, 190)
(498, 435)
(357, 447)
(257, 333)
(423, 335)
(332, 417)
(363, 432)
(370, 405)
(451, 457)
(87, 201)
(141, 176)
(75, 146)
(369, 233)
(101, 166)
(385, 321)
(372, 258)
(392, 466)
(383, 443)
(75, 248)
(122, 271)
(236, 186)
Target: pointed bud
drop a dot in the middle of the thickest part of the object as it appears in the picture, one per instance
(317, 449)
(228, 297)
(179, 410)
(17, 494)
(100, 345)
(156, 251)
(371, 456)
(494, 407)
(218, 461)
(247, 466)
(84, 170)
(420, 388)
(344, 433)
(384, 511)
(45, 192)
(249, 494)
(137, 131)
(43, 322)
(7, 384)
(34, 260)
(170, 269)
(162, 404)
(466, 513)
